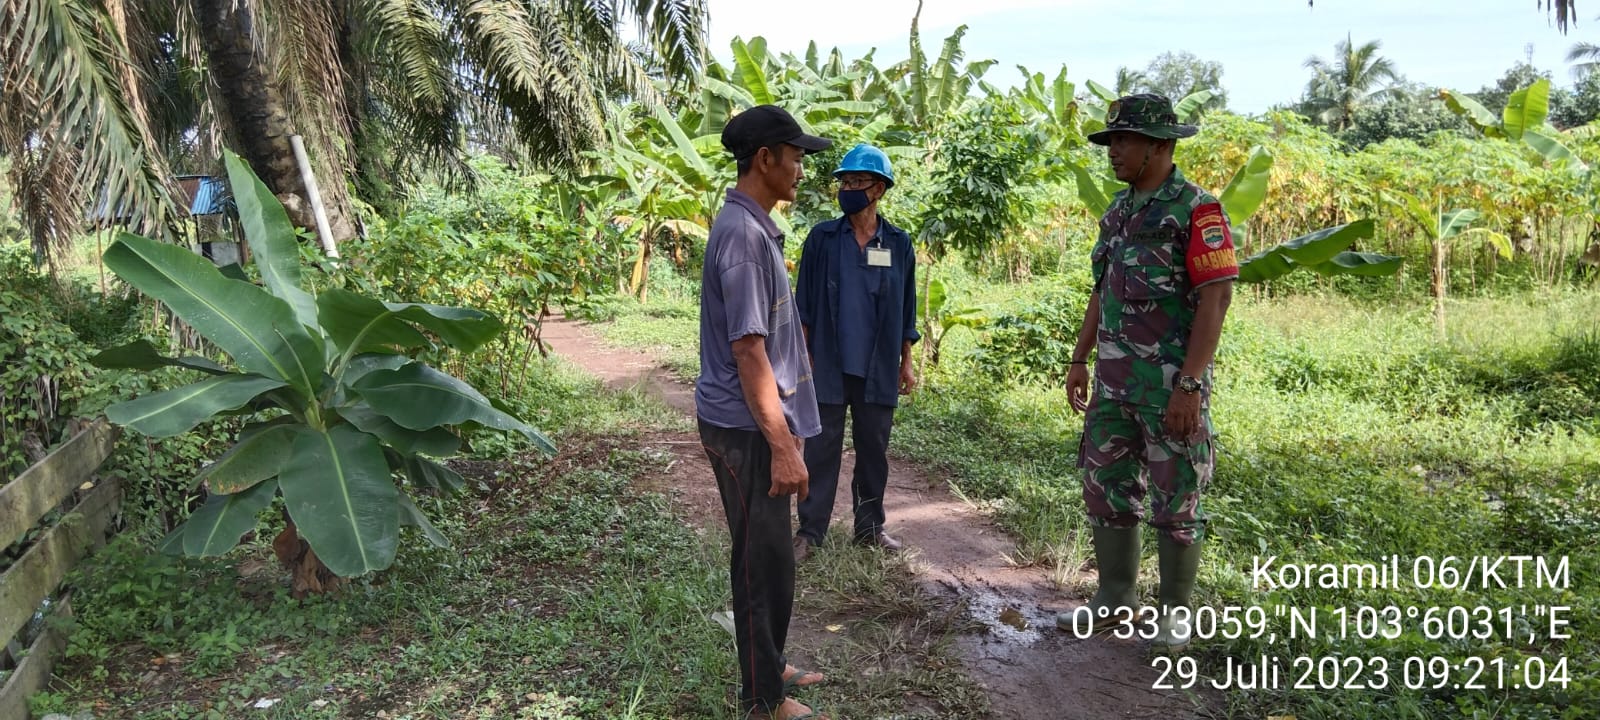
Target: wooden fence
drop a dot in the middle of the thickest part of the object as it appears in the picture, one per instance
(53, 548)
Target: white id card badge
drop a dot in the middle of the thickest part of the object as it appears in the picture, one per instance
(878, 257)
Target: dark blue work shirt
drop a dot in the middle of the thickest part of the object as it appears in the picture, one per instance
(859, 287)
(858, 315)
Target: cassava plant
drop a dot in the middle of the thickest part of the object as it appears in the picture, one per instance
(339, 409)
(1323, 252)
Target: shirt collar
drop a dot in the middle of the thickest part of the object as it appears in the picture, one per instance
(1170, 189)
(1165, 192)
(762, 217)
(842, 226)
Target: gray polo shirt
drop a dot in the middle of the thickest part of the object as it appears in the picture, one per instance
(744, 290)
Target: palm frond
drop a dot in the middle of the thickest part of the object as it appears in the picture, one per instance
(1566, 12)
(302, 37)
(593, 18)
(1584, 57)
(191, 100)
(411, 86)
(677, 30)
(64, 74)
(1130, 81)
(1583, 51)
(532, 64)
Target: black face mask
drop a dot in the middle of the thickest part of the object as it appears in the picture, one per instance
(853, 201)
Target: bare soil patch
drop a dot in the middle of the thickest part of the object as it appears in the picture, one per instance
(1009, 643)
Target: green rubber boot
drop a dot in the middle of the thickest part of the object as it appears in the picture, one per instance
(1179, 566)
(1116, 551)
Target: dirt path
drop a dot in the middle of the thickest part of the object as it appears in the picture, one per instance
(958, 554)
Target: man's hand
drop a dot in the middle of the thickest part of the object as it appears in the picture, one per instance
(1182, 418)
(1078, 387)
(908, 379)
(789, 476)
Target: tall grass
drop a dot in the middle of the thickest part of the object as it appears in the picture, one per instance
(1347, 432)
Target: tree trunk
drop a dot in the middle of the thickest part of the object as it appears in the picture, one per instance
(258, 121)
(641, 269)
(309, 574)
(1441, 284)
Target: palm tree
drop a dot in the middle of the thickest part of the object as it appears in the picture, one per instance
(1585, 59)
(72, 123)
(1355, 77)
(1129, 81)
(101, 94)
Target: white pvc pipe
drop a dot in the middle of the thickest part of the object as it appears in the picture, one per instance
(314, 197)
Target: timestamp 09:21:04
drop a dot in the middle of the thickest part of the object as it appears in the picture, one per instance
(1269, 672)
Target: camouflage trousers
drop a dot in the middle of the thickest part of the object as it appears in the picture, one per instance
(1124, 450)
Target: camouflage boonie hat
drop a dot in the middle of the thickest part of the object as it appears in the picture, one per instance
(1147, 114)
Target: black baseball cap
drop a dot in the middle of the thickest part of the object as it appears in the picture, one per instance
(765, 125)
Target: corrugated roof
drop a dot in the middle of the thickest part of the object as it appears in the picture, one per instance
(206, 194)
(195, 195)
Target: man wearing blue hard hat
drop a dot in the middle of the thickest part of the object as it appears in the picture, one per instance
(856, 295)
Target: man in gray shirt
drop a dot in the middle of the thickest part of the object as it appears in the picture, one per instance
(755, 401)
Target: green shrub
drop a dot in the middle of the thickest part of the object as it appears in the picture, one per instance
(43, 368)
(1033, 343)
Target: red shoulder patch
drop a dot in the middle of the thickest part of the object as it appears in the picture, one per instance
(1210, 254)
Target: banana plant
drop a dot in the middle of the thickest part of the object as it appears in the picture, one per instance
(339, 408)
(1189, 107)
(1055, 100)
(831, 98)
(923, 95)
(1095, 105)
(1443, 229)
(938, 318)
(1524, 120)
(666, 181)
(1323, 252)
(810, 90)
(1055, 104)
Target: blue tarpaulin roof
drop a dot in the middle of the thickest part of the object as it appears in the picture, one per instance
(196, 195)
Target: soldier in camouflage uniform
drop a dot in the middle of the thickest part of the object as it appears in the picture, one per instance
(1163, 270)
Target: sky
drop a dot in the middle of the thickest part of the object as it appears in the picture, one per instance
(1262, 44)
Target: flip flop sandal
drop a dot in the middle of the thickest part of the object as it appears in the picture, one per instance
(815, 714)
(794, 681)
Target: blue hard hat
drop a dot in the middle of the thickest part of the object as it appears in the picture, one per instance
(866, 158)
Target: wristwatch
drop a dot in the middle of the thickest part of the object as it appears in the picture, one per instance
(1189, 384)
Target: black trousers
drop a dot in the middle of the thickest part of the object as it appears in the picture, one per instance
(762, 563)
(869, 425)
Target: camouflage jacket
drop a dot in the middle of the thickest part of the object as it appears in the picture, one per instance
(1148, 262)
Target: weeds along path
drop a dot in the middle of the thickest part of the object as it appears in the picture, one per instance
(1007, 640)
